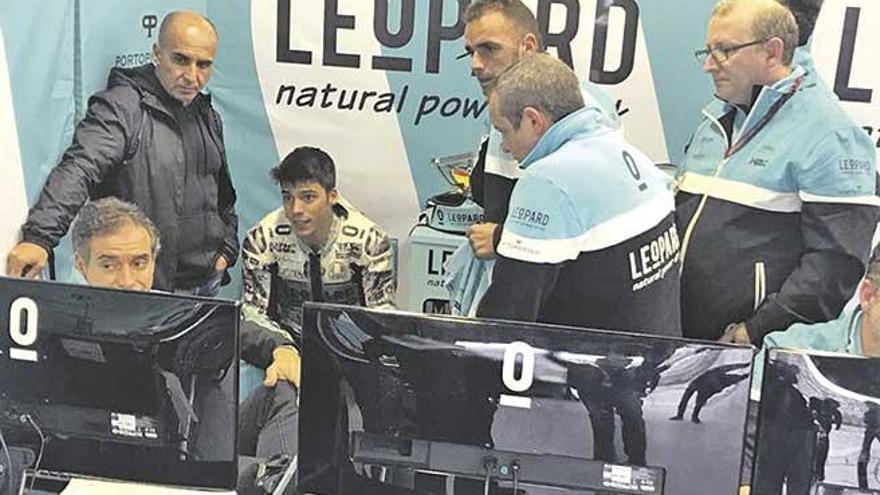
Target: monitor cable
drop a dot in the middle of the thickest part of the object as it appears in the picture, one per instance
(489, 464)
(27, 418)
(514, 467)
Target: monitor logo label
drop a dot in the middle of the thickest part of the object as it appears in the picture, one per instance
(23, 317)
(524, 355)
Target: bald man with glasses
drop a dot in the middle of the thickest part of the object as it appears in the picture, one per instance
(777, 195)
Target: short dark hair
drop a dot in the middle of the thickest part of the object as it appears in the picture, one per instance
(805, 14)
(306, 164)
(106, 216)
(513, 10)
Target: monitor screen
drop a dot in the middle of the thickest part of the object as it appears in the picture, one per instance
(138, 386)
(817, 422)
(398, 403)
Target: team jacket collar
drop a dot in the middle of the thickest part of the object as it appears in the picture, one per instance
(588, 121)
(766, 97)
(854, 340)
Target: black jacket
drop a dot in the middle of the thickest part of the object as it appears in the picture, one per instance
(129, 145)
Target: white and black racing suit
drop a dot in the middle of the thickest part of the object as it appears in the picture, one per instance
(280, 272)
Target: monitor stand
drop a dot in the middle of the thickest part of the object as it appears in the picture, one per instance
(491, 465)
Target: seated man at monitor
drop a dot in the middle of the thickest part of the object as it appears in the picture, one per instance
(855, 331)
(115, 246)
(313, 248)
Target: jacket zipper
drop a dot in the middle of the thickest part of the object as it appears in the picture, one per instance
(760, 283)
(699, 211)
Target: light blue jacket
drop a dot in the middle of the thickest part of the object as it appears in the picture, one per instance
(589, 238)
(467, 278)
(842, 335)
(795, 204)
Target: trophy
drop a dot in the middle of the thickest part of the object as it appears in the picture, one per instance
(453, 211)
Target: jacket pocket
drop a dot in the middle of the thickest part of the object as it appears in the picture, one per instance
(760, 284)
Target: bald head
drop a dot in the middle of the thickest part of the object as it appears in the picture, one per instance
(184, 55)
(183, 20)
(766, 19)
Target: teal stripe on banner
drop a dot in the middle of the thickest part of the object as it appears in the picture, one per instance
(250, 143)
(682, 87)
(39, 52)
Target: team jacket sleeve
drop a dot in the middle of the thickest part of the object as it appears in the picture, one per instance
(518, 290)
(260, 335)
(99, 144)
(839, 214)
(379, 280)
(540, 234)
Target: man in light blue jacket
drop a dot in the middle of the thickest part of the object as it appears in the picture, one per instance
(777, 194)
(855, 331)
(589, 239)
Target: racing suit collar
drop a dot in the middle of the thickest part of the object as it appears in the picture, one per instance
(331, 237)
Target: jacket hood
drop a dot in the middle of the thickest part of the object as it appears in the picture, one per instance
(143, 79)
(587, 122)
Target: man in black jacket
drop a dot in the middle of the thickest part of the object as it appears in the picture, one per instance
(151, 138)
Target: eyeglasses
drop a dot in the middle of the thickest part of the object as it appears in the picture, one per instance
(720, 54)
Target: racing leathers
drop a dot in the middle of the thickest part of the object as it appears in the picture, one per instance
(280, 272)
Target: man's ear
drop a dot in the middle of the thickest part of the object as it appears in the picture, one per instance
(333, 196)
(529, 44)
(776, 49)
(155, 54)
(80, 265)
(536, 119)
(867, 292)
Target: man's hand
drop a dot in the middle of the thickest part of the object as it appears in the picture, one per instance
(221, 264)
(481, 236)
(736, 334)
(26, 260)
(285, 366)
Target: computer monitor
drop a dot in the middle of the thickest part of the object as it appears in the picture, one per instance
(399, 403)
(138, 386)
(817, 422)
